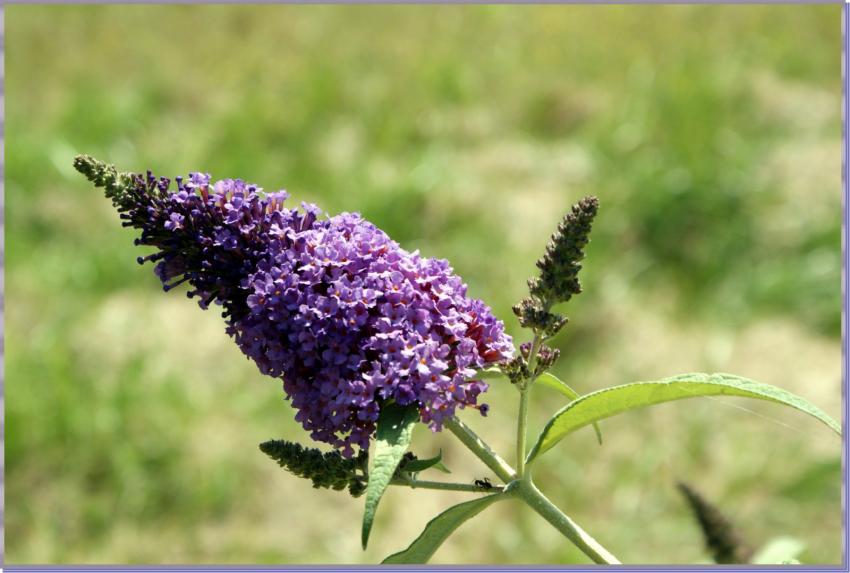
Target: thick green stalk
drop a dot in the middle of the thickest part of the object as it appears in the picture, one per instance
(529, 493)
(478, 447)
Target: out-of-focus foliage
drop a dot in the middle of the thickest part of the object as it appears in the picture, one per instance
(710, 134)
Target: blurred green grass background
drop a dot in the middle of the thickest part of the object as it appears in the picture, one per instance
(711, 135)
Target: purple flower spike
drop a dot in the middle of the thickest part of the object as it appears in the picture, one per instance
(345, 316)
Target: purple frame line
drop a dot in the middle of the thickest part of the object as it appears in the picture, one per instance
(845, 299)
(331, 2)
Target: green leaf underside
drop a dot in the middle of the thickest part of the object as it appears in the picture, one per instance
(439, 529)
(611, 401)
(551, 381)
(422, 465)
(392, 438)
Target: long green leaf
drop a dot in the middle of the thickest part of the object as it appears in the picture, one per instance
(551, 381)
(439, 529)
(611, 401)
(392, 437)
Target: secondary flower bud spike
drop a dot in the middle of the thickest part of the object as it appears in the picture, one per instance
(346, 317)
(558, 280)
(325, 470)
(721, 539)
(102, 175)
(559, 266)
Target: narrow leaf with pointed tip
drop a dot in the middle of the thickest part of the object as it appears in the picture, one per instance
(605, 403)
(439, 529)
(392, 438)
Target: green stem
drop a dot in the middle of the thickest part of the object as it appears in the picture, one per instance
(529, 493)
(522, 424)
(445, 486)
(532, 355)
(522, 421)
(478, 447)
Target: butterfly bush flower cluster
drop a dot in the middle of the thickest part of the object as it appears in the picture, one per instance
(369, 338)
(346, 317)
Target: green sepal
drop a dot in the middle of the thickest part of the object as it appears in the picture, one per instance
(418, 465)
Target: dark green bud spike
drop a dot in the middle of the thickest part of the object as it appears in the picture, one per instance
(559, 267)
(102, 175)
(328, 470)
(721, 539)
